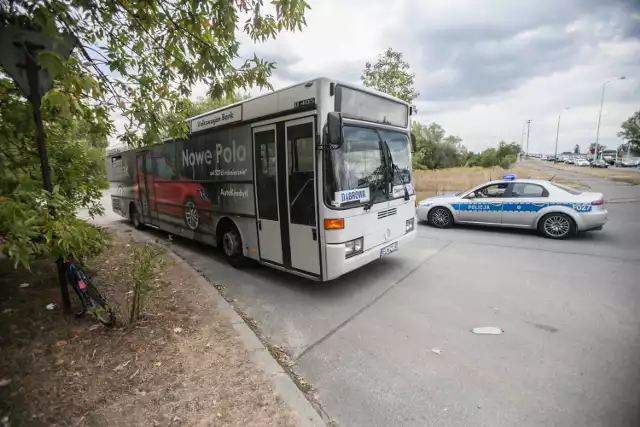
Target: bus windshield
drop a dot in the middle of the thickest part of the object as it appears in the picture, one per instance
(360, 164)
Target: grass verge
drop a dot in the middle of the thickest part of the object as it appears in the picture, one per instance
(182, 364)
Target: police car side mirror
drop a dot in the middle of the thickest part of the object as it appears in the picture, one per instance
(334, 128)
(471, 195)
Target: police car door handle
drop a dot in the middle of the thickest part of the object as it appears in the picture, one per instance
(259, 225)
(314, 233)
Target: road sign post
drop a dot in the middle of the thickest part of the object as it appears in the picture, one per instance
(19, 59)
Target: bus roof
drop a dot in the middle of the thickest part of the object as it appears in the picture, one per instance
(123, 147)
(327, 79)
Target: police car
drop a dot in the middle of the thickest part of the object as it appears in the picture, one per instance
(556, 211)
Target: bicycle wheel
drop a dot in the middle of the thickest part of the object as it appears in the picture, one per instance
(93, 301)
(98, 306)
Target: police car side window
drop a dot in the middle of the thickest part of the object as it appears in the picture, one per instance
(491, 191)
(526, 190)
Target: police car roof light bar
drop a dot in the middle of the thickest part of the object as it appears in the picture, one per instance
(509, 177)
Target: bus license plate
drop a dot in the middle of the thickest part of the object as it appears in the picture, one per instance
(388, 249)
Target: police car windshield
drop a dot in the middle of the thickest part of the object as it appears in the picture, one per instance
(567, 189)
(358, 165)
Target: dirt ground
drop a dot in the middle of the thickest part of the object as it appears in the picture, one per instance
(182, 365)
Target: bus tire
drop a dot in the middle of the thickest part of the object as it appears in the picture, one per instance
(134, 215)
(231, 243)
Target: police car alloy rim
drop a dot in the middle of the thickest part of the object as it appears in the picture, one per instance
(557, 226)
(440, 217)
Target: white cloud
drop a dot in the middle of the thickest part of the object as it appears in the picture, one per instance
(482, 68)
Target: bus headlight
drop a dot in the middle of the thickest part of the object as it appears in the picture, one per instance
(353, 247)
(409, 225)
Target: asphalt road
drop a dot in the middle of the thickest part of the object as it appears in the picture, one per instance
(570, 310)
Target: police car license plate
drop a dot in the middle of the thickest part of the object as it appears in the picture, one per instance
(388, 249)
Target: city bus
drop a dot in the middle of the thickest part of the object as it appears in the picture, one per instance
(314, 179)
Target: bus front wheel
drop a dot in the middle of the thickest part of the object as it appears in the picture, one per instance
(134, 215)
(232, 245)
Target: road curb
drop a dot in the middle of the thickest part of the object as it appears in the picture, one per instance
(284, 385)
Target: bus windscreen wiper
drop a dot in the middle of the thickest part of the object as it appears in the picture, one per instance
(374, 186)
(396, 171)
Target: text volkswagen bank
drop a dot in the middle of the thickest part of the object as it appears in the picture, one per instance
(314, 179)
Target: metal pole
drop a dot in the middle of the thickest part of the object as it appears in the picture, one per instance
(35, 98)
(555, 155)
(599, 118)
(528, 131)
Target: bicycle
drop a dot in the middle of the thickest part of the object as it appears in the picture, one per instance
(92, 302)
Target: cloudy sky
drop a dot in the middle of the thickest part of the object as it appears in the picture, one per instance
(483, 67)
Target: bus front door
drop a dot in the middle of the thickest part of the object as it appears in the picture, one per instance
(266, 177)
(141, 181)
(301, 195)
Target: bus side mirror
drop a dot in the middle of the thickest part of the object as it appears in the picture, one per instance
(414, 144)
(334, 127)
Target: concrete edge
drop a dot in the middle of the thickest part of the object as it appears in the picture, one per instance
(284, 385)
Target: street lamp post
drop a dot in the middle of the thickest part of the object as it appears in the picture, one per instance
(528, 131)
(600, 113)
(555, 155)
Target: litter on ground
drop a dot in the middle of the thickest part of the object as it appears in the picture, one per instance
(487, 330)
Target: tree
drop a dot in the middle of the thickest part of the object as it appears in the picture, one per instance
(390, 74)
(138, 60)
(630, 131)
(434, 149)
(592, 148)
(576, 149)
(77, 165)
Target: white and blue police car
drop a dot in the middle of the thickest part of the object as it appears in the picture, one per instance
(555, 210)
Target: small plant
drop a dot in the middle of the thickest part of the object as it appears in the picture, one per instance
(147, 261)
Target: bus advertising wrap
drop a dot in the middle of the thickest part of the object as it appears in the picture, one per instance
(184, 183)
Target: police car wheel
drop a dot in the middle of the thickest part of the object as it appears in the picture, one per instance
(557, 226)
(440, 218)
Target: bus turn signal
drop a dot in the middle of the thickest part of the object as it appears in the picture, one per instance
(334, 224)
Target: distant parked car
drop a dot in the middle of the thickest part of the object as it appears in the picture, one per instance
(599, 163)
(570, 161)
(581, 162)
(628, 162)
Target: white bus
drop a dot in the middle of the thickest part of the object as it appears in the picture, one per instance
(314, 179)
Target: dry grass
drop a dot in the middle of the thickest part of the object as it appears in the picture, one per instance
(182, 365)
(442, 181)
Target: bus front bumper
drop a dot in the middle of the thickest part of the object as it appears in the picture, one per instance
(337, 264)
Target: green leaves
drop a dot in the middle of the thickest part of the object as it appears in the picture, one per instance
(51, 62)
(135, 60)
(140, 60)
(630, 130)
(391, 75)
